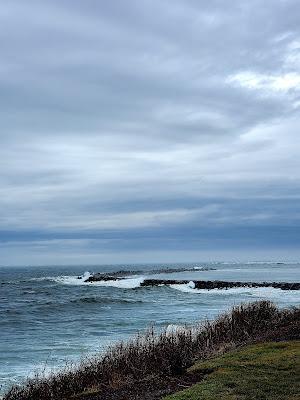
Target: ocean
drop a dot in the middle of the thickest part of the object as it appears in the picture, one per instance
(49, 317)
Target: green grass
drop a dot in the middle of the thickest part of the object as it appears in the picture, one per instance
(268, 371)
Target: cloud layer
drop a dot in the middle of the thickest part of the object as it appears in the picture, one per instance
(148, 130)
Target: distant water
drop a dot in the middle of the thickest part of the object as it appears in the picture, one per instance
(48, 316)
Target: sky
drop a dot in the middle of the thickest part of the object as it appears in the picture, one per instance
(149, 131)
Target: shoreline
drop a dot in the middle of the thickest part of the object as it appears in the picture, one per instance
(193, 284)
(164, 357)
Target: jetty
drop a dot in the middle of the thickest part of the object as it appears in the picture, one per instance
(197, 284)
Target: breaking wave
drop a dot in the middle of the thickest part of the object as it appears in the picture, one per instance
(128, 283)
(260, 292)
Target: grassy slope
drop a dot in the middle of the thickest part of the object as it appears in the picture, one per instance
(268, 371)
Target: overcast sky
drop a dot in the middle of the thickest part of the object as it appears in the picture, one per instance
(149, 130)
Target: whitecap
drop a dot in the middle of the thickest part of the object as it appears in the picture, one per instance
(128, 283)
(191, 284)
(86, 275)
(275, 294)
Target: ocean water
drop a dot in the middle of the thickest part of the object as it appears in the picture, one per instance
(49, 317)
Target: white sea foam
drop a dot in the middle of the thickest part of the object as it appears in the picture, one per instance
(260, 292)
(127, 283)
(72, 280)
(86, 275)
(68, 280)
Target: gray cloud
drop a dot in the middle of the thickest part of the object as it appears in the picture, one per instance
(121, 115)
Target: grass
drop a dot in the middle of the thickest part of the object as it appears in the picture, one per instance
(160, 357)
(268, 371)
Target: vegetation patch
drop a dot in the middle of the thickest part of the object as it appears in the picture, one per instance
(268, 371)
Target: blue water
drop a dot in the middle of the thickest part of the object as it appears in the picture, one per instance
(48, 316)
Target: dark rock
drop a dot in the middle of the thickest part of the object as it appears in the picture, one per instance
(115, 276)
(222, 284)
(97, 278)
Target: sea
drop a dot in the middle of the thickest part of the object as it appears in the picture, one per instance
(49, 318)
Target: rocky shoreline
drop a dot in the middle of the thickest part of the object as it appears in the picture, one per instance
(121, 274)
(196, 284)
(221, 284)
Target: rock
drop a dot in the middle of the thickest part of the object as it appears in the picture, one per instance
(221, 284)
(194, 284)
(97, 278)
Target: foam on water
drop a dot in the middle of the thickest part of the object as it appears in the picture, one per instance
(261, 292)
(127, 283)
(68, 280)
(86, 275)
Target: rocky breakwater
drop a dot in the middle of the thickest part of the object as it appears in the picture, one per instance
(102, 277)
(221, 284)
(123, 273)
(196, 284)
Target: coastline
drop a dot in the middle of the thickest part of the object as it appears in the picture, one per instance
(163, 357)
(52, 318)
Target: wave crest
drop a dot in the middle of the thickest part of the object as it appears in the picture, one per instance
(128, 283)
